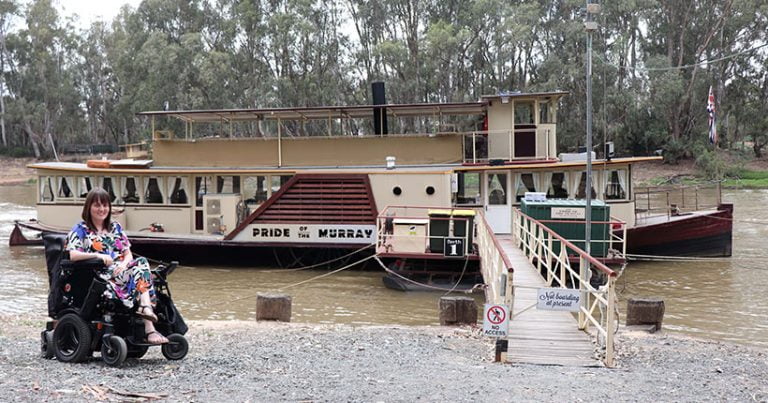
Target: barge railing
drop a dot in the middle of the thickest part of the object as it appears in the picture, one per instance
(412, 230)
(598, 305)
(673, 200)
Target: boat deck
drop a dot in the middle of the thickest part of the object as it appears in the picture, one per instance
(539, 336)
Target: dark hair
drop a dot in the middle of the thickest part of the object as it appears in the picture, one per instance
(96, 195)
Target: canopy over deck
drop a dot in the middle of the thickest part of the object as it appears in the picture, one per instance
(349, 112)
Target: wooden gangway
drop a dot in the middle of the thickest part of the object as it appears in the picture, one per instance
(541, 337)
(512, 268)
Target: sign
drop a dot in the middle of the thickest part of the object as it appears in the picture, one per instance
(495, 320)
(453, 247)
(309, 233)
(569, 213)
(558, 299)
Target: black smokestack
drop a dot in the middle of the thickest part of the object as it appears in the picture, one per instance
(379, 114)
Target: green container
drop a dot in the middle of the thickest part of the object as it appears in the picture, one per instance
(439, 229)
(463, 219)
(564, 210)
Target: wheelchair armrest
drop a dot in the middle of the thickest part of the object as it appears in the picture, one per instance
(88, 264)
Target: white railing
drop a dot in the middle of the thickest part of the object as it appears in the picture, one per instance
(476, 146)
(598, 305)
(412, 230)
(494, 265)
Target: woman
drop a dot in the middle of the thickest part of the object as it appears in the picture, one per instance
(128, 279)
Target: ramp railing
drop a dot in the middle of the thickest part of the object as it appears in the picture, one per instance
(598, 298)
(494, 265)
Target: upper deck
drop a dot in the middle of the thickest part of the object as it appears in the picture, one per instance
(505, 127)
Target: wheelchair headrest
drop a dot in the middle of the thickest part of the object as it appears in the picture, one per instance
(54, 246)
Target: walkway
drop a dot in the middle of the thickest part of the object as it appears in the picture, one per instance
(538, 336)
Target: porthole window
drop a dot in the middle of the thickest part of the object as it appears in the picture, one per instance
(430, 190)
(397, 191)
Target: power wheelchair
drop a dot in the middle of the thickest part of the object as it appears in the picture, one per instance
(84, 319)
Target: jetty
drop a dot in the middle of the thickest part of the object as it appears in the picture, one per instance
(516, 268)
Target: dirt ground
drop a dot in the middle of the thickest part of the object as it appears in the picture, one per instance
(14, 170)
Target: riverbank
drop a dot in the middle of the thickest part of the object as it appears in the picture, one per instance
(249, 361)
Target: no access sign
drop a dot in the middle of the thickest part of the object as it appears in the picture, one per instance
(495, 320)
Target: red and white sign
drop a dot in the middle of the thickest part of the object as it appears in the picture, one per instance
(495, 320)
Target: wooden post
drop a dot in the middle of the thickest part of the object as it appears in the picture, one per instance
(457, 311)
(645, 311)
(273, 307)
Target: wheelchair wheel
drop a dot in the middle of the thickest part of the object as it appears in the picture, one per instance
(114, 350)
(176, 348)
(46, 344)
(72, 339)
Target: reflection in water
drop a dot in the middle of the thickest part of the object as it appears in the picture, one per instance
(720, 298)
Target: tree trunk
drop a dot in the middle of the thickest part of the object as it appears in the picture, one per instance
(34, 139)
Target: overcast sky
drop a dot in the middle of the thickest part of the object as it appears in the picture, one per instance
(92, 10)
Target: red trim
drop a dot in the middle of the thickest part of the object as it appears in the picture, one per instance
(286, 206)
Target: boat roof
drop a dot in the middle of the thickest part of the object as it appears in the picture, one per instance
(354, 111)
(430, 168)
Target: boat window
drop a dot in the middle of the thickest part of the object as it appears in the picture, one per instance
(84, 185)
(177, 189)
(497, 189)
(468, 188)
(524, 183)
(557, 184)
(581, 188)
(616, 185)
(255, 189)
(203, 185)
(130, 193)
(153, 191)
(108, 185)
(227, 184)
(278, 181)
(545, 112)
(46, 189)
(524, 112)
(64, 190)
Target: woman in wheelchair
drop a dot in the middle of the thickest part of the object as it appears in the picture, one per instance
(128, 279)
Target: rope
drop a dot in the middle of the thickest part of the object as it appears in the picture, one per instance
(388, 270)
(318, 264)
(461, 276)
(296, 284)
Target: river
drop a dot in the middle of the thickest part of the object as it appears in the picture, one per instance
(721, 299)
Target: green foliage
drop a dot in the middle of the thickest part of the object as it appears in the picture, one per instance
(16, 152)
(718, 166)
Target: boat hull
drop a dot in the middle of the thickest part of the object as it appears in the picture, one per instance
(699, 235)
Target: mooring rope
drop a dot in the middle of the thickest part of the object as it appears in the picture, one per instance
(318, 264)
(295, 284)
(390, 271)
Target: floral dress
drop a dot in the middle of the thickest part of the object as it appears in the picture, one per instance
(128, 285)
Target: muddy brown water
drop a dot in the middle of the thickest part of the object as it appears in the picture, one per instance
(722, 299)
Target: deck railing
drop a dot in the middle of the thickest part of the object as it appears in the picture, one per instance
(672, 200)
(597, 303)
(476, 146)
(411, 230)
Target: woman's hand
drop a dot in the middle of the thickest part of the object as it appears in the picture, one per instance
(106, 259)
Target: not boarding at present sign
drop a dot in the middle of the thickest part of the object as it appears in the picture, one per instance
(495, 320)
(558, 299)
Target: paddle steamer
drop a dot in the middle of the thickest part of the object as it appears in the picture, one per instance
(287, 186)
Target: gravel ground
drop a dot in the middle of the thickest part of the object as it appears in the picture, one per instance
(248, 361)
